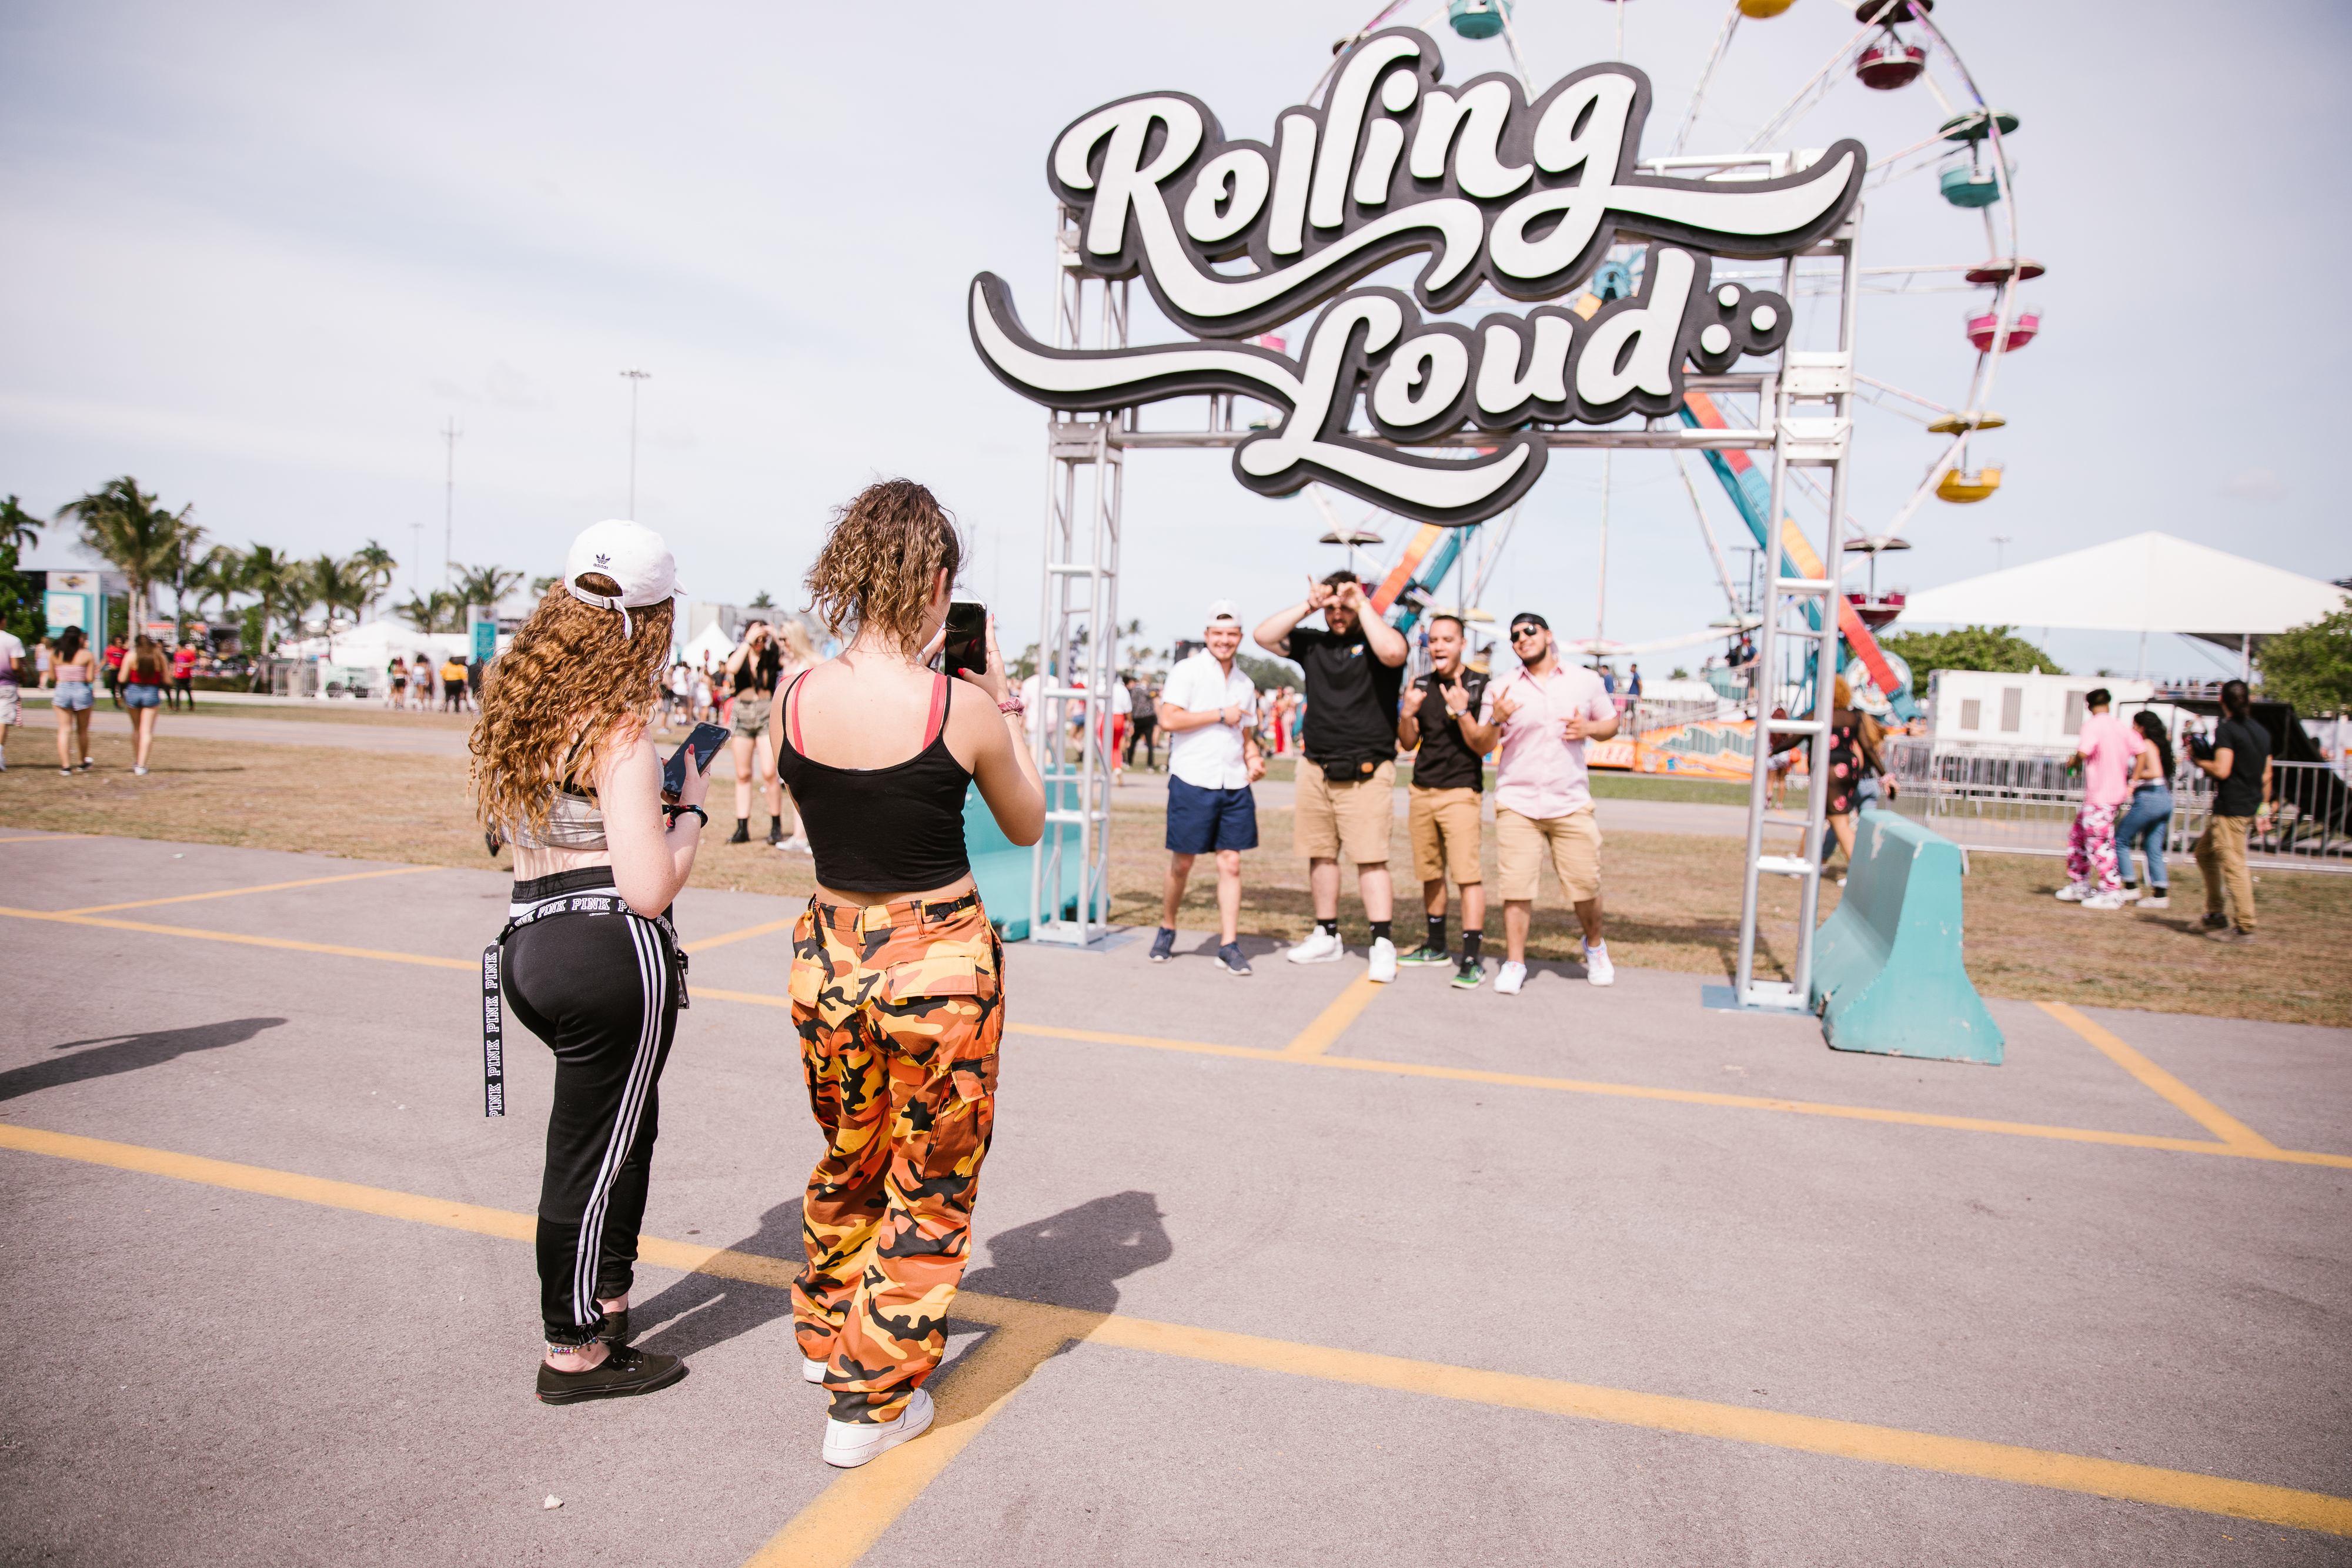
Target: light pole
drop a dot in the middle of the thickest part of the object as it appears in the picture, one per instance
(449, 433)
(1998, 553)
(634, 377)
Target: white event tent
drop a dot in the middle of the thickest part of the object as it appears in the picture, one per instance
(2148, 582)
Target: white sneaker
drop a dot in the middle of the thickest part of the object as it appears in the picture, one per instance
(2104, 901)
(812, 1371)
(2073, 893)
(1321, 946)
(849, 1444)
(1598, 969)
(1510, 978)
(1383, 962)
(138, 773)
(2157, 901)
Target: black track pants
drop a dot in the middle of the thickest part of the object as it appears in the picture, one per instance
(600, 989)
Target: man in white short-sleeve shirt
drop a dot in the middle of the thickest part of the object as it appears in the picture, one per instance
(1209, 708)
(13, 670)
(1542, 716)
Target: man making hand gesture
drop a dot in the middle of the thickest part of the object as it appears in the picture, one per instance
(1345, 802)
(1206, 708)
(1449, 781)
(1542, 716)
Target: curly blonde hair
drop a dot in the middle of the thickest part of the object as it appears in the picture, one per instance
(875, 570)
(572, 681)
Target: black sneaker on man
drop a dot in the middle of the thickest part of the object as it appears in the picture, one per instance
(1467, 977)
(1230, 959)
(621, 1374)
(1425, 954)
(2215, 920)
(1163, 946)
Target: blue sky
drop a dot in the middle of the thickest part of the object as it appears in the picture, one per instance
(258, 254)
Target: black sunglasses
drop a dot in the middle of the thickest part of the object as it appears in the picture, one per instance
(1519, 632)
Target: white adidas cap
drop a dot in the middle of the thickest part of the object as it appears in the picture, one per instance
(1223, 610)
(632, 555)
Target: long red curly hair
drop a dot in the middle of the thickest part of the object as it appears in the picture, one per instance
(572, 686)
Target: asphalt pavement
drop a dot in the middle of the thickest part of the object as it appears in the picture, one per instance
(1283, 1269)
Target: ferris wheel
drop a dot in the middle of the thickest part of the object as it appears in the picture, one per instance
(1894, 48)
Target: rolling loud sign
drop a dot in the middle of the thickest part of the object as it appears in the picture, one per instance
(1495, 189)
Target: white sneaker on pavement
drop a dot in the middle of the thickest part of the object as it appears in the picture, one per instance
(1510, 978)
(2073, 893)
(812, 1371)
(1383, 961)
(1321, 946)
(849, 1444)
(1598, 969)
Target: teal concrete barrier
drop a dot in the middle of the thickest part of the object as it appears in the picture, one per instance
(1887, 976)
(1000, 867)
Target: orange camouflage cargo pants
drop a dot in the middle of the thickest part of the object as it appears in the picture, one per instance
(899, 1007)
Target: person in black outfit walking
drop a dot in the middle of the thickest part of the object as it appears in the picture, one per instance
(564, 769)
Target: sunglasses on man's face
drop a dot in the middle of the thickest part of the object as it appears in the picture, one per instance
(1519, 632)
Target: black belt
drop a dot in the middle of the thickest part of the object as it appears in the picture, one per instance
(493, 1075)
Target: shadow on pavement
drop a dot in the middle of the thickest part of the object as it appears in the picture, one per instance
(108, 1054)
(1077, 1257)
(703, 1310)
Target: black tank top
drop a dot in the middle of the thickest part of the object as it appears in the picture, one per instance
(880, 830)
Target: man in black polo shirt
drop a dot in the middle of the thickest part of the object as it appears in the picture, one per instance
(1449, 783)
(1345, 800)
(2239, 759)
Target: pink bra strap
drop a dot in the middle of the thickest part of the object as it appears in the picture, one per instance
(939, 712)
(792, 712)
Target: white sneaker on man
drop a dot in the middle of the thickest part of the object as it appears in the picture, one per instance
(1383, 961)
(849, 1444)
(1321, 946)
(1598, 969)
(2104, 901)
(1510, 978)
(2073, 893)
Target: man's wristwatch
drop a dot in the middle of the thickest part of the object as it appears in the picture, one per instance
(700, 815)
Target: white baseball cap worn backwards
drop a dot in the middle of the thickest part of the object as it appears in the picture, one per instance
(632, 555)
(1223, 610)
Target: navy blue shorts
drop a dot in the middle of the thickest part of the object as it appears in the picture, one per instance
(1199, 821)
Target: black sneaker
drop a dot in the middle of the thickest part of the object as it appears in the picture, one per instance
(1427, 955)
(1163, 946)
(613, 1328)
(621, 1374)
(2215, 921)
(1469, 976)
(1230, 959)
(742, 832)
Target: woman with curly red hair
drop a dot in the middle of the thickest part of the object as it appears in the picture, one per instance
(564, 770)
(897, 986)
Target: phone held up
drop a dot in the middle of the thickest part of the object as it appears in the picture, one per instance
(966, 647)
(703, 742)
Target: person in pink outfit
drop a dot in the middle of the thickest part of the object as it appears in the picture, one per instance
(2103, 750)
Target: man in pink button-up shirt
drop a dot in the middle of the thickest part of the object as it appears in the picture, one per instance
(1542, 715)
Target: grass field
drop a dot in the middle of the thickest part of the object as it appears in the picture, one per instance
(1672, 899)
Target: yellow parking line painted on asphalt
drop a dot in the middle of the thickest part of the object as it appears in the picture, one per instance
(2198, 1109)
(1333, 1022)
(243, 940)
(706, 943)
(240, 891)
(2256, 1149)
(1032, 1331)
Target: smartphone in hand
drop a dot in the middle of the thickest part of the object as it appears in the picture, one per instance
(966, 647)
(703, 743)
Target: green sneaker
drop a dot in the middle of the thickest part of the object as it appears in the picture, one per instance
(1469, 976)
(1425, 954)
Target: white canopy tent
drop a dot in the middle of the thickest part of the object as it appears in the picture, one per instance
(2148, 582)
(711, 641)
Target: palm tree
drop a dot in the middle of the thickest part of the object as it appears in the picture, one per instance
(377, 562)
(215, 579)
(17, 525)
(484, 586)
(270, 576)
(444, 612)
(186, 561)
(127, 526)
(340, 584)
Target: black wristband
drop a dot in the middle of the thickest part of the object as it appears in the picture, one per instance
(678, 811)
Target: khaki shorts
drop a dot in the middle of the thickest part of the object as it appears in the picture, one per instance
(751, 714)
(1444, 828)
(1354, 818)
(1575, 844)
